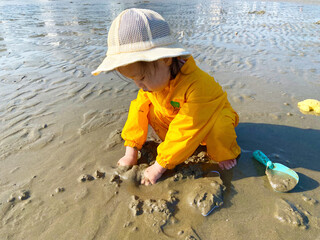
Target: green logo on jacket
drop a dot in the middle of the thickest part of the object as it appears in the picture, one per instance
(175, 104)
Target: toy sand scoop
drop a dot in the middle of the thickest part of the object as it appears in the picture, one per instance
(281, 178)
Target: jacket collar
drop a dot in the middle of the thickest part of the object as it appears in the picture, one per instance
(189, 67)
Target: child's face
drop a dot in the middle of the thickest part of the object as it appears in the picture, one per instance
(153, 78)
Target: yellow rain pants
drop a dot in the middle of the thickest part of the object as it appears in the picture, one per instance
(191, 110)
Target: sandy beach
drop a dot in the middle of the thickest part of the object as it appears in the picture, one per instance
(60, 126)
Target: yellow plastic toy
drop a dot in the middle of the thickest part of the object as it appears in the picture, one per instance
(310, 105)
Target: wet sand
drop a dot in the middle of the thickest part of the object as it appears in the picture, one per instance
(60, 127)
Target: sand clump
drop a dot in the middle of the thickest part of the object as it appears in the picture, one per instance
(132, 174)
(286, 212)
(88, 177)
(20, 195)
(202, 194)
(206, 196)
(60, 189)
(280, 181)
(183, 188)
(100, 174)
(156, 213)
(85, 177)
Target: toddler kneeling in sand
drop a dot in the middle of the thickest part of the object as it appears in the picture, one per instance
(183, 104)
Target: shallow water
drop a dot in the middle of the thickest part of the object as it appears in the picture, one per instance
(266, 38)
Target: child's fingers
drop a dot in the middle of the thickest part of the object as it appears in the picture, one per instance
(223, 165)
(234, 162)
(231, 164)
(152, 181)
(228, 166)
(145, 181)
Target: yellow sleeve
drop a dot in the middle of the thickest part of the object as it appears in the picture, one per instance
(136, 128)
(191, 125)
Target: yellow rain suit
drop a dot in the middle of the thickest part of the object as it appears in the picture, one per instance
(193, 109)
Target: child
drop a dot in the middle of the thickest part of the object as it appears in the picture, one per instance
(183, 104)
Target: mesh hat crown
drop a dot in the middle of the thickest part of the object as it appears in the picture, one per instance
(139, 35)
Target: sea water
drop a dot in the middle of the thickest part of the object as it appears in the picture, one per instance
(265, 38)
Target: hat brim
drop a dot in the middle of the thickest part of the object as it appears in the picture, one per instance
(112, 62)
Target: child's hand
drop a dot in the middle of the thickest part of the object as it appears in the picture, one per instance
(152, 174)
(227, 164)
(127, 161)
(130, 158)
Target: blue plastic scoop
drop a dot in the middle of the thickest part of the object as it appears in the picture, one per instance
(281, 178)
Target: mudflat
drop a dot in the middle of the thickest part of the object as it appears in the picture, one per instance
(60, 127)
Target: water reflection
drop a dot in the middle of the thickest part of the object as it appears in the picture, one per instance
(283, 32)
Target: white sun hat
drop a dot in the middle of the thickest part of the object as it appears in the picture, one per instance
(139, 35)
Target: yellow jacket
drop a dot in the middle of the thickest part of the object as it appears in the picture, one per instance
(187, 107)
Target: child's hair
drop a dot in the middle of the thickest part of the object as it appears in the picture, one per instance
(175, 67)
(152, 66)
